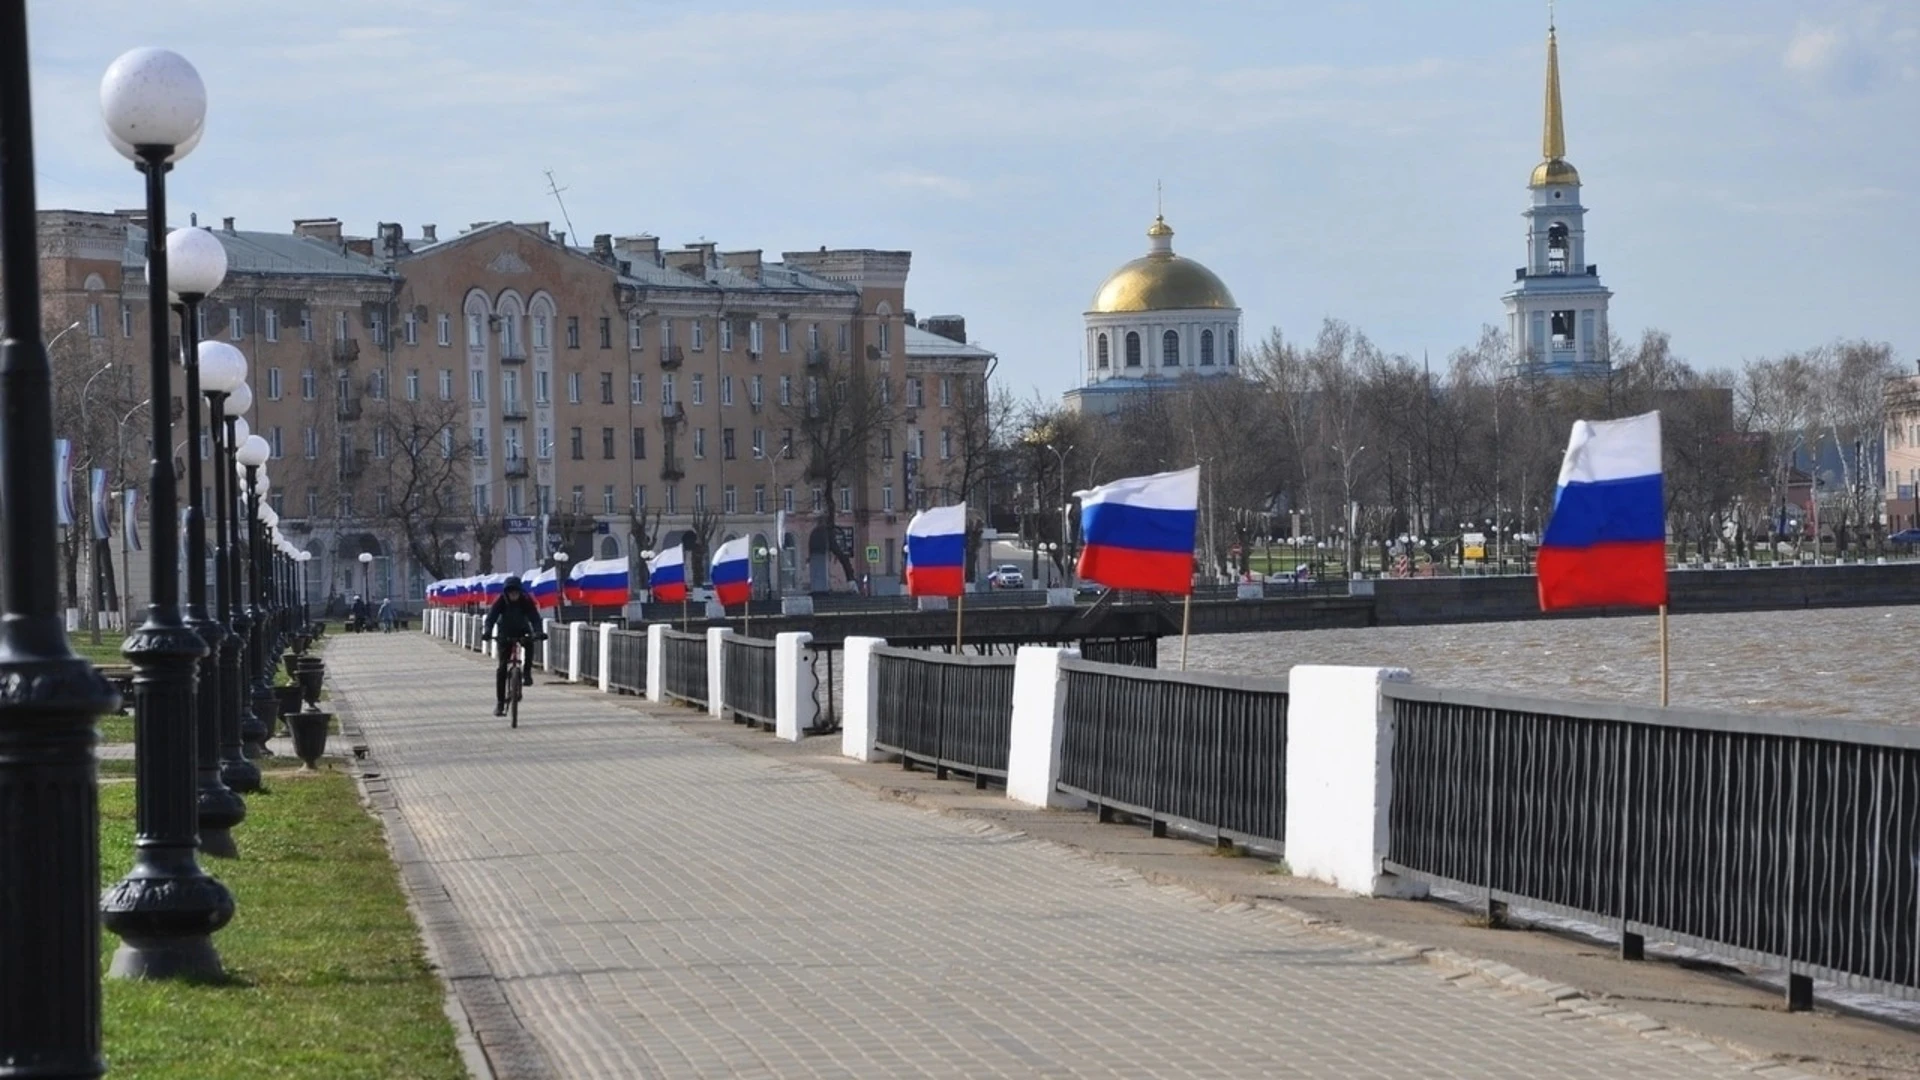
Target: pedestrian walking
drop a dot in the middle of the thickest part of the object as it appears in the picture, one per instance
(386, 615)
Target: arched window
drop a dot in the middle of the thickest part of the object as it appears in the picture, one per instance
(1233, 354)
(1557, 248)
(1133, 349)
(1100, 353)
(1169, 349)
(1206, 348)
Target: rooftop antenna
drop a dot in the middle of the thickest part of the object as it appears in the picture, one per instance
(555, 189)
(1549, 16)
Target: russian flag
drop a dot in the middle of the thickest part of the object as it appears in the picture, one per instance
(667, 575)
(544, 587)
(1138, 533)
(600, 583)
(732, 572)
(937, 551)
(491, 586)
(1606, 544)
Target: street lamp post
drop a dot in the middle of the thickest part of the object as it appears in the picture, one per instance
(248, 460)
(167, 908)
(235, 701)
(366, 580)
(560, 560)
(49, 838)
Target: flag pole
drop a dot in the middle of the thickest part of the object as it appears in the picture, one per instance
(959, 617)
(1186, 625)
(1663, 656)
(683, 613)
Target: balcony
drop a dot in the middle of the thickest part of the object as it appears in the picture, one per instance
(673, 470)
(672, 412)
(816, 358)
(513, 409)
(671, 357)
(516, 468)
(513, 355)
(347, 408)
(353, 465)
(347, 351)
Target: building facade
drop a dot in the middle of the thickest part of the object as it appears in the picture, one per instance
(1900, 453)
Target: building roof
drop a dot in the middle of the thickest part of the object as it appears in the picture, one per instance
(923, 344)
(1161, 281)
(268, 253)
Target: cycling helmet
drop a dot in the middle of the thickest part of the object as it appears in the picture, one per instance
(513, 583)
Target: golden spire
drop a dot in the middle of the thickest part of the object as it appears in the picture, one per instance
(1553, 137)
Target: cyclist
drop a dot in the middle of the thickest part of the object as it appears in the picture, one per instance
(518, 619)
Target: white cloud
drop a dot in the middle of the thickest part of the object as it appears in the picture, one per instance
(1831, 57)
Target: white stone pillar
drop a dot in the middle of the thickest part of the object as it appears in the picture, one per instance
(1039, 708)
(1340, 777)
(657, 663)
(717, 669)
(794, 710)
(576, 641)
(546, 647)
(605, 646)
(860, 678)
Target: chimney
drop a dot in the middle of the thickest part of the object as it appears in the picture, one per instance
(641, 248)
(603, 247)
(906, 316)
(226, 225)
(560, 237)
(538, 228)
(390, 236)
(951, 327)
(427, 233)
(360, 246)
(746, 262)
(327, 229)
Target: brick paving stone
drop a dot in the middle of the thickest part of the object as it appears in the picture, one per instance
(653, 904)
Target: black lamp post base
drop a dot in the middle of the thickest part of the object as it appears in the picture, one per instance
(218, 810)
(165, 913)
(168, 958)
(217, 841)
(266, 710)
(241, 775)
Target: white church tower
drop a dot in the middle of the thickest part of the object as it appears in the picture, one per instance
(1557, 310)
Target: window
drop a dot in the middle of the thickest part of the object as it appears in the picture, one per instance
(273, 384)
(726, 389)
(312, 442)
(1133, 349)
(673, 498)
(699, 334)
(606, 388)
(510, 442)
(634, 337)
(445, 330)
(699, 497)
(1100, 352)
(886, 498)
(606, 332)
(343, 386)
(786, 389)
(699, 443)
(916, 393)
(579, 444)
(886, 447)
(573, 331)
(339, 326)
(413, 384)
(480, 498)
(917, 439)
(477, 387)
(573, 388)
(539, 331)
(126, 320)
(1233, 357)
(846, 499)
(510, 389)
(726, 444)
(639, 444)
(843, 336)
(637, 388)
(236, 329)
(1170, 349)
(480, 440)
(413, 328)
(759, 443)
(279, 444)
(446, 442)
(946, 392)
(755, 340)
(306, 324)
(886, 392)
(579, 498)
(313, 502)
(667, 384)
(786, 445)
(513, 498)
(639, 497)
(270, 323)
(666, 334)
(606, 443)
(545, 446)
(1206, 348)
(542, 392)
(813, 337)
(378, 322)
(606, 499)
(726, 335)
(753, 391)
(346, 504)
(786, 498)
(786, 343)
(379, 442)
(946, 444)
(309, 385)
(729, 502)
(886, 338)
(699, 388)
(759, 498)
(377, 385)
(446, 385)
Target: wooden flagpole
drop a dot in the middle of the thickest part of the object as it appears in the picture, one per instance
(1663, 656)
(1186, 624)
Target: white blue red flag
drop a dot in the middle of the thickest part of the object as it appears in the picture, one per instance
(732, 572)
(599, 583)
(544, 587)
(667, 575)
(1138, 533)
(937, 551)
(1606, 543)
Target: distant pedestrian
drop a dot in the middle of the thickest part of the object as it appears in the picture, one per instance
(386, 615)
(362, 618)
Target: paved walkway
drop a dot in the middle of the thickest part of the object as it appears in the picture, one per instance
(644, 902)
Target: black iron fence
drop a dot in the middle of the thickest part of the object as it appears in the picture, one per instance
(628, 662)
(750, 681)
(1206, 752)
(685, 666)
(827, 660)
(589, 653)
(1780, 841)
(947, 711)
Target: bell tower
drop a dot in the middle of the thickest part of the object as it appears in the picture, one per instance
(1557, 308)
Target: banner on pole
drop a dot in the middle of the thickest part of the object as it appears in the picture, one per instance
(130, 517)
(63, 482)
(98, 498)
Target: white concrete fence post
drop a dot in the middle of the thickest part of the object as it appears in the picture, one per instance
(606, 658)
(546, 646)
(1038, 727)
(717, 669)
(576, 640)
(860, 678)
(794, 709)
(1340, 777)
(657, 663)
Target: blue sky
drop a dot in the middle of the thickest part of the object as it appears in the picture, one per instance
(1751, 166)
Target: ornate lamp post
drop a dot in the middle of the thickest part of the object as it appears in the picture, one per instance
(166, 908)
(214, 368)
(366, 579)
(49, 838)
(463, 557)
(560, 559)
(252, 454)
(235, 701)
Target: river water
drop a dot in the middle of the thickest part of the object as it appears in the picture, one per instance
(1858, 663)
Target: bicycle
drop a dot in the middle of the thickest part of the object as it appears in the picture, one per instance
(517, 677)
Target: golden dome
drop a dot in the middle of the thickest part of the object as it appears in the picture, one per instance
(1555, 171)
(1161, 281)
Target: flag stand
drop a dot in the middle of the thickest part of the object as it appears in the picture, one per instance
(959, 617)
(1663, 656)
(1186, 624)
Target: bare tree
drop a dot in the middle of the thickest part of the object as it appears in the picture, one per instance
(425, 475)
(847, 405)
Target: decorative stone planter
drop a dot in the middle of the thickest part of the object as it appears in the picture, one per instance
(309, 676)
(290, 696)
(309, 734)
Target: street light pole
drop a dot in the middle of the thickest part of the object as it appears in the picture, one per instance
(49, 838)
(238, 773)
(249, 459)
(167, 908)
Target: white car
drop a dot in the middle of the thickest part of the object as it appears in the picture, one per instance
(1007, 577)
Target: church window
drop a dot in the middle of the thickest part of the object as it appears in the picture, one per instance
(1133, 349)
(1206, 348)
(1563, 329)
(1557, 248)
(1100, 353)
(1233, 354)
(1170, 349)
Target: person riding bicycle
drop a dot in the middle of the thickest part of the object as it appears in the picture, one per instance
(518, 619)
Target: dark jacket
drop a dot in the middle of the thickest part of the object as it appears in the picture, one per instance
(516, 619)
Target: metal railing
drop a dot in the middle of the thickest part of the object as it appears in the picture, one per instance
(827, 660)
(1206, 752)
(1775, 840)
(947, 711)
(629, 662)
(685, 667)
(590, 654)
(749, 671)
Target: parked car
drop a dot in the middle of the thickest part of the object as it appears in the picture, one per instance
(1008, 576)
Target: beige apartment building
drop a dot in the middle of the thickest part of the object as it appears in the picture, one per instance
(1902, 452)
(506, 393)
